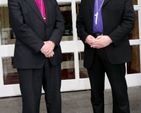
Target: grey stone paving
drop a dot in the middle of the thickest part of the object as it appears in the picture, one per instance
(75, 102)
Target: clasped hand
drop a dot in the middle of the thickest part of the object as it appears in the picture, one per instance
(48, 48)
(99, 42)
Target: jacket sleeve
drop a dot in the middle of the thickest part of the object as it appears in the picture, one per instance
(80, 24)
(126, 26)
(22, 31)
(58, 31)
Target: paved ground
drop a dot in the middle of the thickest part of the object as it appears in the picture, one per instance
(75, 102)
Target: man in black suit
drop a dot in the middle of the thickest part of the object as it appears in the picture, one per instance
(38, 26)
(103, 26)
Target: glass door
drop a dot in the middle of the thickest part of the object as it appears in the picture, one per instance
(74, 75)
(8, 75)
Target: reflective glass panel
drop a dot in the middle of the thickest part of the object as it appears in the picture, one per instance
(67, 15)
(134, 65)
(67, 66)
(77, 11)
(82, 71)
(10, 75)
(8, 37)
(134, 2)
(6, 33)
(77, 7)
(135, 32)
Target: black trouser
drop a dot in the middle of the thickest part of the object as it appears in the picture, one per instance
(116, 76)
(31, 81)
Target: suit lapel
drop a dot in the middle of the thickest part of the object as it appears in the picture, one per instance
(34, 6)
(92, 5)
(46, 2)
(105, 2)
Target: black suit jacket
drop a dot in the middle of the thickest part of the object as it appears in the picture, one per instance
(118, 20)
(31, 31)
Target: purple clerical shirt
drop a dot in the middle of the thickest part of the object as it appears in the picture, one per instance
(97, 17)
(41, 6)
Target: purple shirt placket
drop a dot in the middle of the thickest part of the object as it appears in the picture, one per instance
(98, 28)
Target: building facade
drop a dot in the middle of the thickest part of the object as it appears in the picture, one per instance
(74, 75)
